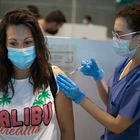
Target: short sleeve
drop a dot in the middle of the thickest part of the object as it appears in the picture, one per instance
(110, 81)
(130, 105)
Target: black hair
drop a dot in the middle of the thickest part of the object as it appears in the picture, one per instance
(34, 10)
(132, 15)
(56, 16)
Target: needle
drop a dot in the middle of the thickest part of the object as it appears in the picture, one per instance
(77, 69)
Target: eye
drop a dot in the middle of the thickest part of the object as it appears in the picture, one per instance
(28, 43)
(12, 44)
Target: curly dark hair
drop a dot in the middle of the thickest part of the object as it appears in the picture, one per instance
(40, 71)
(132, 15)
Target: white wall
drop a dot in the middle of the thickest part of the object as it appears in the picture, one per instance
(79, 31)
(87, 128)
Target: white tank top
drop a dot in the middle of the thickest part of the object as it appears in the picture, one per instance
(28, 116)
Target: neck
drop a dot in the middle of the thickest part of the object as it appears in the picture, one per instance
(136, 59)
(21, 74)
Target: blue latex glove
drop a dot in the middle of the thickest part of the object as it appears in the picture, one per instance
(90, 68)
(69, 88)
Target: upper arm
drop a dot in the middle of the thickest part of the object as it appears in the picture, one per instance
(64, 113)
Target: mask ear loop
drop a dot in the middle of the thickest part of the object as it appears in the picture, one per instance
(135, 35)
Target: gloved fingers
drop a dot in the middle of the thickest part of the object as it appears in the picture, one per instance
(93, 60)
(67, 80)
(85, 69)
(63, 86)
(66, 90)
(60, 84)
(64, 82)
(85, 62)
(94, 64)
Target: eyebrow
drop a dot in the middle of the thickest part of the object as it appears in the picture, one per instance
(28, 37)
(24, 39)
(119, 32)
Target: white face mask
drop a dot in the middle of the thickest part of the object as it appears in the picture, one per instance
(121, 47)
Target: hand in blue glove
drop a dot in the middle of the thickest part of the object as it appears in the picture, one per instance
(90, 68)
(69, 88)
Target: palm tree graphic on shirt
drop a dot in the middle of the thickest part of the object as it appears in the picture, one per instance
(41, 99)
(5, 100)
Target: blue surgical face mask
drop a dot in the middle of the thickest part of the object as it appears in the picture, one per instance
(121, 47)
(22, 58)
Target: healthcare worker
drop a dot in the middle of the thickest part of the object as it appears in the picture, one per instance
(121, 94)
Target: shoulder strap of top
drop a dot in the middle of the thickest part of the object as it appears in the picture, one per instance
(53, 85)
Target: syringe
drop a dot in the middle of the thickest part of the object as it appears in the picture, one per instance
(77, 69)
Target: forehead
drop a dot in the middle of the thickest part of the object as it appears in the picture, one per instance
(121, 25)
(18, 31)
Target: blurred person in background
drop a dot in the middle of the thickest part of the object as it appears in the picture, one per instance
(54, 21)
(35, 11)
(87, 20)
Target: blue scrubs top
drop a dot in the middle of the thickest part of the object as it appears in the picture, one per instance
(124, 100)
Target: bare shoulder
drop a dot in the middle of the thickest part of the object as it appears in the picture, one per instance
(57, 70)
